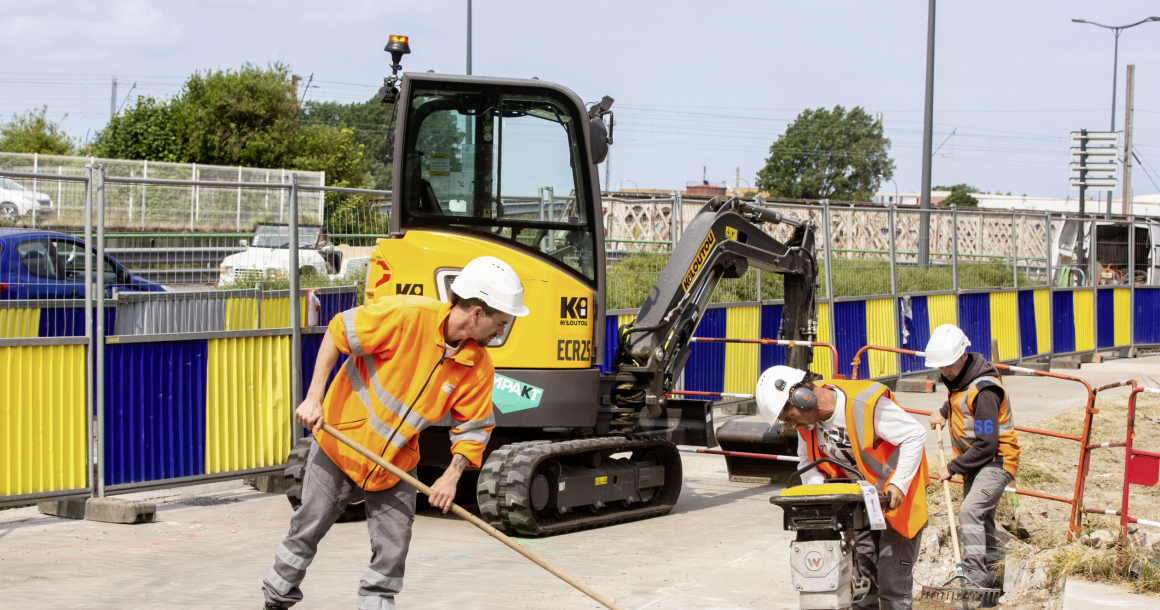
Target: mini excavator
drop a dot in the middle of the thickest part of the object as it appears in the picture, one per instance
(508, 168)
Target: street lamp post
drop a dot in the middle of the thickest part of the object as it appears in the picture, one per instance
(1116, 29)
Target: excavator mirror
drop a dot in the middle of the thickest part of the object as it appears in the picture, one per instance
(599, 133)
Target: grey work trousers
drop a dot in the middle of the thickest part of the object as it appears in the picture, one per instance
(325, 491)
(981, 495)
(887, 558)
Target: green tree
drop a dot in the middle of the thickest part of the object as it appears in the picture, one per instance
(33, 132)
(250, 117)
(369, 121)
(828, 154)
(960, 195)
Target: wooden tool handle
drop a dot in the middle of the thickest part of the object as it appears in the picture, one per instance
(942, 463)
(476, 521)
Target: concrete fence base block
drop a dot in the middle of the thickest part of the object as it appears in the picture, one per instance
(910, 384)
(1066, 364)
(68, 508)
(116, 510)
(267, 483)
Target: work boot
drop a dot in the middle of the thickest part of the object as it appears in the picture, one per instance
(275, 606)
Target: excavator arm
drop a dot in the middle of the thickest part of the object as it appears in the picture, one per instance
(722, 241)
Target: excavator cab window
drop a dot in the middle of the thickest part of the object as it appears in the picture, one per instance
(501, 164)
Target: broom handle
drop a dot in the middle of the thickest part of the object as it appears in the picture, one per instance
(476, 521)
(942, 462)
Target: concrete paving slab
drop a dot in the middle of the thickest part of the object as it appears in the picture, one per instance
(1085, 595)
(721, 547)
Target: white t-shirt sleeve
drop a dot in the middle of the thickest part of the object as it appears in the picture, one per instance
(813, 476)
(896, 427)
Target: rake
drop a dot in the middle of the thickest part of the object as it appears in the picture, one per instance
(960, 592)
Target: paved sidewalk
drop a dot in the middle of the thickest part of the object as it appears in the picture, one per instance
(1085, 595)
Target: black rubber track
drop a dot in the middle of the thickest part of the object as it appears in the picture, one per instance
(296, 471)
(505, 479)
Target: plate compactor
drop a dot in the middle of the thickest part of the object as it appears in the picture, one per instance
(826, 517)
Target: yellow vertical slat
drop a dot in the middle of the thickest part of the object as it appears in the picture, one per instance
(1122, 299)
(1043, 321)
(1084, 319)
(241, 314)
(742, 361)
(247, 403)
(20, 322)
(880, 331)
(823, 358)
(1004, 323)
(942, 309)
(276, 312)
(42, 409)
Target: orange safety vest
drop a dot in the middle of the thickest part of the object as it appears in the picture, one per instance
(964, 426)
(876, 458)
(397, 381)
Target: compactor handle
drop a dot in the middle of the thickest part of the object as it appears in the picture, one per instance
(813, 464)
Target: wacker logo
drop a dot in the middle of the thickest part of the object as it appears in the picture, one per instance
(574, 311)
(699, 261)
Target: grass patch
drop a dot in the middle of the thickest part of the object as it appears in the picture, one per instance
(1031, 476)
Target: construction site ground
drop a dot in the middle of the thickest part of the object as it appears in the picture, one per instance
(721, 547)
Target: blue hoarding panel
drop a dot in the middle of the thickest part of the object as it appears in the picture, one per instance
(334, 304)
(70, 321)
(916, 331)
(771, 355)
(1062, 323)
(310, 345)
(975, 320)
(1146, 315)
(849, 333)
(1028, 337)
(154, 411)
(1105, 317)
(611, 340)
(705, 368)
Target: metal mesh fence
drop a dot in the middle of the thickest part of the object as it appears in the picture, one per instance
(154, 207)
(938, 275)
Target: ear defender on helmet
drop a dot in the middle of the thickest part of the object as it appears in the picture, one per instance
(800, 396)
(804, 398)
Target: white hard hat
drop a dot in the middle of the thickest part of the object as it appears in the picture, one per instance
(494, 282)
(770, 399)
(947, 343)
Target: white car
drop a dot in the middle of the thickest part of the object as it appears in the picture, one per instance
(268, 256)
(17, 201)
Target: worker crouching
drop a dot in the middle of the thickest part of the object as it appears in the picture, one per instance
(985, 444)
(858, 424)
(412, 361)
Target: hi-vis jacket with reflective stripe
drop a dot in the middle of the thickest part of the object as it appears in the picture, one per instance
(964, 426)
(397, 382)
(877, 459)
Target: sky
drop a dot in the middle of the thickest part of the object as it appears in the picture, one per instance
(697, 84)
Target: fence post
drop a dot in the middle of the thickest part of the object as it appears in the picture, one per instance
(955, 249)
(59, 183)
(92, 346)
(192, 195)
(239, 214)
(295, 313)
(891, 223)
(36, 204)
(99, 337)
(1050, 287)
(1015, 255)
(1131, 286)
(144, 193)
(829, 267)
(1094, 283)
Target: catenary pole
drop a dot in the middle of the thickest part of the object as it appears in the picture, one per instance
(927, 136)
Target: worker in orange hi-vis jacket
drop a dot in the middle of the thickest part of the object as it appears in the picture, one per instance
(411, 362)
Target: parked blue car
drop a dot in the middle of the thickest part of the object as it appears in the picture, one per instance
(37, 264)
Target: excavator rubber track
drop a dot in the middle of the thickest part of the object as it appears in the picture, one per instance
(505, 496)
